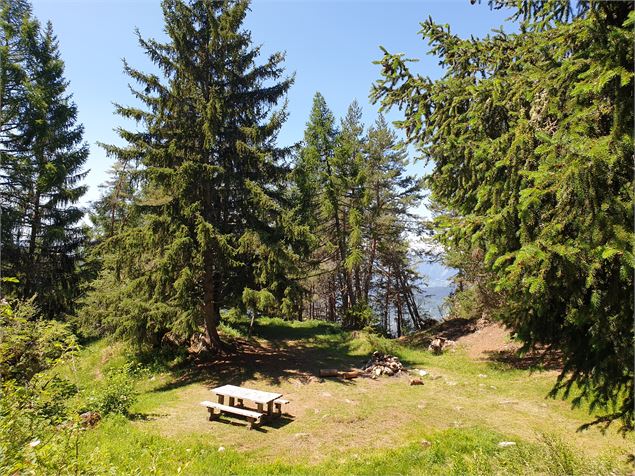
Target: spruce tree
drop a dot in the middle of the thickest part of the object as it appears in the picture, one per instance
(347, 174)
(352, 191)
(45, 174)
(530, 135)
(111, 213)
(212, 199)
(17, 28)
(310, 196)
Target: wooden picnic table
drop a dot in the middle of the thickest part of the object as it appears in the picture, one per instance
(260, 398)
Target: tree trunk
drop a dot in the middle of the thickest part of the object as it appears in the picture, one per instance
(410, 301)
(399, 314)
(369, 268)
(29, 287)
(386, 305)
(211, 315)
(341, 244)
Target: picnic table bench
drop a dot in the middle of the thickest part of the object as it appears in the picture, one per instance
(235, 399)
(253, 418)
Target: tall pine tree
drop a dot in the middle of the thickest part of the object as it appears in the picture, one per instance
(17, 28)
(212, 196)
(44, 177)
(352, 191)
(531, 139)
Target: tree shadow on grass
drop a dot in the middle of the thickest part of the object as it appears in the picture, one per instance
(146, 416)
(451, 329)
(264, 427)
(537, 360)
(289, 353)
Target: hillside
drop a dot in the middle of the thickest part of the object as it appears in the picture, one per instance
(452, 424)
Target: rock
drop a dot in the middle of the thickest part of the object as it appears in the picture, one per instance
(197, 344)
(300, 435)
(90, 419)
(507, 402)
(436, 346)
(423, 373)
(377, 371)
(416, 381)
(221, 448)
(450, 383)
(425, 443)
(482, 375)
(326, 394)
(506, 444)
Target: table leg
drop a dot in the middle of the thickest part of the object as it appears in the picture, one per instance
(231, 401)
(221, 399)
(270, 409)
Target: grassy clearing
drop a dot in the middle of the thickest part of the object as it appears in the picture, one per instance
(450, 425)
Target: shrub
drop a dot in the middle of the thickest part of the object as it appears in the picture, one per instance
(382, 344)
(118, 394)
(37, 433)
(29, 346)
(358, 316)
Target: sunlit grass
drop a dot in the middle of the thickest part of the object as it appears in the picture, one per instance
(363, 426)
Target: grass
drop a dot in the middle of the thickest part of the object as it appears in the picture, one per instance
(450, 425)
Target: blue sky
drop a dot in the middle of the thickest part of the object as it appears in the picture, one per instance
(330, 47)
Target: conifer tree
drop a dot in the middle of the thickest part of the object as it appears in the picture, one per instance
(17, 27)
(348, 178)
(212, 199)
(111, 213)
(531, 139)
(391, 196)
(353, 192)
(310, 181)
(45, 175)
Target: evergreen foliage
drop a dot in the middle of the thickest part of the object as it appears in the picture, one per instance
(41, 167)
(28, 346)
(212, 214)
(352, 191)
(530, 135)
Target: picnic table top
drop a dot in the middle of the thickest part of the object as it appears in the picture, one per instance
(257, 396)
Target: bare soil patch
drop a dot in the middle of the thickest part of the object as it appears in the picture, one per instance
(488, 341)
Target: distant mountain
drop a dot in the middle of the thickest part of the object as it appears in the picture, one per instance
(437, 275)
(439, 279)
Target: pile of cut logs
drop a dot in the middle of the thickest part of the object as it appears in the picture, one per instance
(382, 364)
(379, 364)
